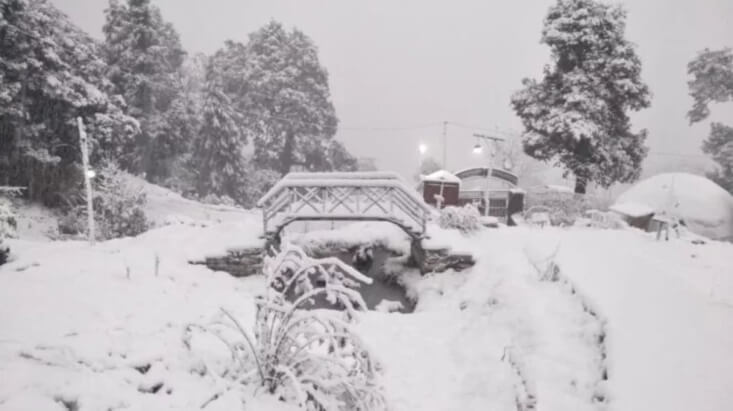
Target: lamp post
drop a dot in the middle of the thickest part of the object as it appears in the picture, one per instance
(88, 175)
(478, 149)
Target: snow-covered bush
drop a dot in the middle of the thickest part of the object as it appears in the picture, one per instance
(308, 357)
(466, 219)
(118, 206)
(4, 253)
(541, 256)
(8, 225)
(8, 222)
(563, 208)
(602, 220)
(257, 182)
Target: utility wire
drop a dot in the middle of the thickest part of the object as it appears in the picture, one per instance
(398, 128)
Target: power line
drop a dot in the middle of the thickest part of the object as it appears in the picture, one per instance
(398, 128)
(677, 155)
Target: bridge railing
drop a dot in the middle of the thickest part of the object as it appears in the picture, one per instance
(344, 196)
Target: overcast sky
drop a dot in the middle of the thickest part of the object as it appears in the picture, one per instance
(408, 63)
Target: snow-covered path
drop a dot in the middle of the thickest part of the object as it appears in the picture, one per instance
(670, 338)
(489, 338)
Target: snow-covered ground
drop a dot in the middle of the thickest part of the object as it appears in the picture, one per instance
(80, 324)
(669, 307)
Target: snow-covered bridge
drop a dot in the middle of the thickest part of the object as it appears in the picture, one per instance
(355, 196)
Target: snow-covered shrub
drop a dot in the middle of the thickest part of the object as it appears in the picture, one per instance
(466, 219)
(257, 182)
(8, 226)
(308, 357)
(118, 204)
(4, 253)
(542, 258)
(602, 220)
(8, 221)
(563, 208)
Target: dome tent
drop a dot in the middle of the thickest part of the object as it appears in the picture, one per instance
(705, 207)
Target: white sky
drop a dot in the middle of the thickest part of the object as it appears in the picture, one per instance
(402, 63)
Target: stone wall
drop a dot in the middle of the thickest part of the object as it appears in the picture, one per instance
(239, 262)
(441, 259)
(243, 262)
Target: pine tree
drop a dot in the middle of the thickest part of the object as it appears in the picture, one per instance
(712, 82)
(578, 114)
(50, 73)
(339, 158)
(144, 54)
(428, 165)
(285, 99)
(219, 147)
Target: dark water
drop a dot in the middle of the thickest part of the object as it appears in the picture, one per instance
(382, 287)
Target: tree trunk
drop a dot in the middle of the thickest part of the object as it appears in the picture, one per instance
(286, 156)
(580, 184)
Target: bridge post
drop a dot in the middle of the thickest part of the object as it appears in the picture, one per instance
(272, 244)
(417, 254)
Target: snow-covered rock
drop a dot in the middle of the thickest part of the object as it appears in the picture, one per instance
(705, 207)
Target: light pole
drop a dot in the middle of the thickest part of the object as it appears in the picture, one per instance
(477, 149)
(88, 175)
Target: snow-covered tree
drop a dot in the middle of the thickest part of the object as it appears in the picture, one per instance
(338, 158)
(50, 73)
(366, 164)
(285, 98)
(578, 114)
(712, 82)
(428, 165)
(257, 181)
(218, 155)
(144, 54)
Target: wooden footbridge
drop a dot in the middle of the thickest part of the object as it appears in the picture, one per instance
(356, 196)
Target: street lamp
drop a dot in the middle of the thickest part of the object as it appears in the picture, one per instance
(477, 149)
(422, 148)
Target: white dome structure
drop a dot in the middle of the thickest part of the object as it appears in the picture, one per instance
(705, 207)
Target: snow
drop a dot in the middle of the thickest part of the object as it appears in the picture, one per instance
(354, 234)
(669, 307)
(632, 209)
(77, 319)
(706, 208)
(559, 188)
(658, 315)
(442, 176)
(165, 207)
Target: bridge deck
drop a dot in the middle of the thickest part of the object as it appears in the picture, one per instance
(375, 196)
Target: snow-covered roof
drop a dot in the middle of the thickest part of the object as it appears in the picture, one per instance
(442, 176)
(350, 175)
(632, 209)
